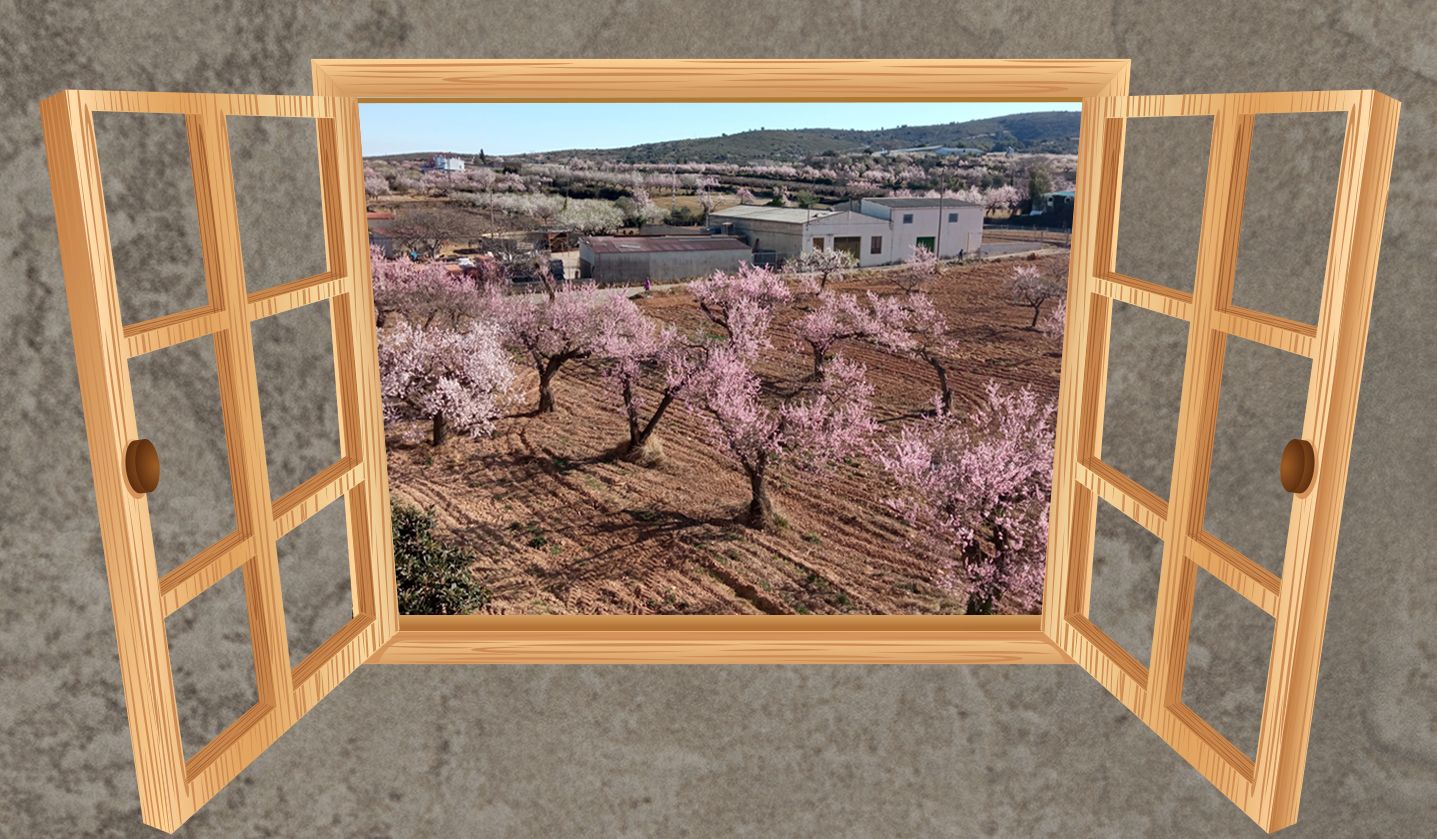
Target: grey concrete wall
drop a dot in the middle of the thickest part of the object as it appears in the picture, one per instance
(706, 751)
(667, 265)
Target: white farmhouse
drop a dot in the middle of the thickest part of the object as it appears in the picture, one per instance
(876, 231)
(946, 226)
(447, 163)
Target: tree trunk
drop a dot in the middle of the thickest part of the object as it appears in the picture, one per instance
(632, 411)
(820, 356)
(648, 430)
(944, 388)
(440, 429)
(1037, 310)
(546, 389)
(978, 605)
(760, 509)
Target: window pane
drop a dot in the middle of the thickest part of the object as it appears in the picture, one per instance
(294, 359)
(314, 574)
(1264, 395)
(1127, 560)
(1160, 210)
(1287, 213)
(1228, 652)
(177, 407)
(212, 660)
(277, 189)
(150, 209)
(1145, 380)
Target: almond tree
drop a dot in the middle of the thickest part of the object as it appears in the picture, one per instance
(552, 330)
(815, 269)
(977, 490)
(636, 352)
(744, 195)
(918, 271)
(838, 317)
(911, 325)
(811, 427)
(742, 303)
(453, 378)
(423, 292)
(1032, 288)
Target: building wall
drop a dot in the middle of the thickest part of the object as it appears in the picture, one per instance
(966, 234)
(782, 237)
(662, 266)
(828, 230)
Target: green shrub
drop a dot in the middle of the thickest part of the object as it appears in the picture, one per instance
(435, 577)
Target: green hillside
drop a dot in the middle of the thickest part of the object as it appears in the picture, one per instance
(1042, 131)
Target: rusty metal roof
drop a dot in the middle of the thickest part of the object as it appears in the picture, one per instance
(663, 244)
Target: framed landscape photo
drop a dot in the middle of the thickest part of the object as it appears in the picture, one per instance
(641, 361)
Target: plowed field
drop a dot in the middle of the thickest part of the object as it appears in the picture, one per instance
(561, 529)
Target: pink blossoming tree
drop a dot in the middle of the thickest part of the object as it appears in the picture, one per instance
(837, 317)
(637, 354)
(425, 293)
(815, 269)
(742, 304)
(976, 490)
(552, 330)
(454, 378)
(810, 427)
(911, 325)
(1031, 287)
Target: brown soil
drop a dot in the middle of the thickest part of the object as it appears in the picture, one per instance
(562, 528)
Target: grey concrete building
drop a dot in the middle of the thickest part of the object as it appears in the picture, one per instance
(615, 259)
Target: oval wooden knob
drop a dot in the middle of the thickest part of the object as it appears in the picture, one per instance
(142, 466)
(1298, 463)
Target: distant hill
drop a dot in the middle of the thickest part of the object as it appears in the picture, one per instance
(1042, 131)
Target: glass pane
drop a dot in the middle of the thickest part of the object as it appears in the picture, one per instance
(1127, 561)
(177, 407)
(294, 360)
(1145, 381)
(150, 206)
(314, 575)
(281, 217)
(1264, 395)
(1160, 212)
(1287, 213)
(213, 661)
(1228, 652)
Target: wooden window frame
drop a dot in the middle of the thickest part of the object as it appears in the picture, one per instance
(785, 639)
(1267, 788)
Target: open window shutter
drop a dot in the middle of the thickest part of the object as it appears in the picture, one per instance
(1268, 787)
(171, 788)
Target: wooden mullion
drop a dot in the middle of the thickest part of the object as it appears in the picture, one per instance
(1202, 384)
(1126, 495)
(187, 580)
(1260, 586)
(168, 330)
(239, 399)
(1146, 295)
(1268, 330)
(296, 506)
(293, 294)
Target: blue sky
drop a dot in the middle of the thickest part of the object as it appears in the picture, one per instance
(516, 128)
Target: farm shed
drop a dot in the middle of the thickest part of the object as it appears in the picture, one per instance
(782, 230)
(616, 259)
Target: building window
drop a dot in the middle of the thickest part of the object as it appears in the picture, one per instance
(818, 243)
(952, 218)
(907, 218)
(875, 244)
